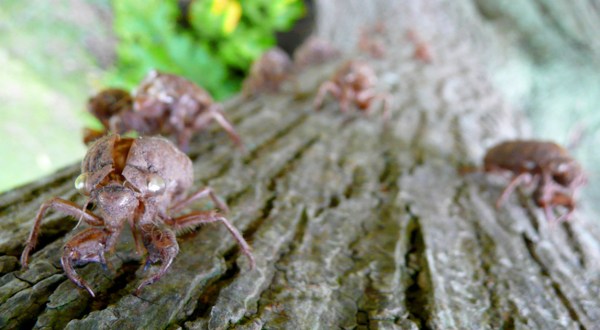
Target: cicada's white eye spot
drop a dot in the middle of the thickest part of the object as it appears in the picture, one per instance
(156, 184)
(81, 184)
(563, 167)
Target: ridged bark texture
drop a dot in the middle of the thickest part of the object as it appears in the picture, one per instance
(355, 222)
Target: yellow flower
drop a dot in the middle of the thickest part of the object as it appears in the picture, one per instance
(231, 12)
(218, 6)
(232, 17)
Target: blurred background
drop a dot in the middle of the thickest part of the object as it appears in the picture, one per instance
(55, 54)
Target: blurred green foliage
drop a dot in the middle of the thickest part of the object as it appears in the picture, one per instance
(211, 42)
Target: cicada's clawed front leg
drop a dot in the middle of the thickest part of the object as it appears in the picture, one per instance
(366, 99)
(162, 246)
(550, 195)
(523, 178)
(570, 205)
(60, 205)
(87, 246)
(200, 217)
(324, 89)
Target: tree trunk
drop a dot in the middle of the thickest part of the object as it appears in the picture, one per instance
(354, 222)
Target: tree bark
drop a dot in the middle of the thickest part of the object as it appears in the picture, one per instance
(355, 222)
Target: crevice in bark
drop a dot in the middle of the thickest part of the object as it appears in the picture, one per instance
(54, 222)
(551, 21)
(528, 208)
(460, 157)
(286, 129)
(384, 228)
(391, 171)
(357, 183)
(28, 323)
(204, 305)
(483, 12)
(349, 192)
(249, 232)
(362, 319)
(62, 314)
(555, 286)
(490, 281)
(16, 276)
(245, 107)
(202, 309)
(387, 181)
(7, 265)
(12, 199)
(50, 232)
(272, 187)
(334, 202)
(297, 237)
(418, 288)
(299, 233)
(380, 230)
(574, 243)
(125, 276)
(38, 296)
(203, 148)
(509, 318)
(209, 296)
(30, 283)
(291, 163)
(415, 145)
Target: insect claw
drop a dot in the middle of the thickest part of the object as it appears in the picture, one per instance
(251, 259)
(102, 260)
(72, 275)
(162, 246)
(138, 291)
(499, 203)
(87, 287)
(147, 265)
(165, 265)
(25, 257)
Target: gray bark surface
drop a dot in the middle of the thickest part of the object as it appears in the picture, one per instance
(355, 223)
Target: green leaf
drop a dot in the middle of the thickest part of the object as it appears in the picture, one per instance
(150, 37)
